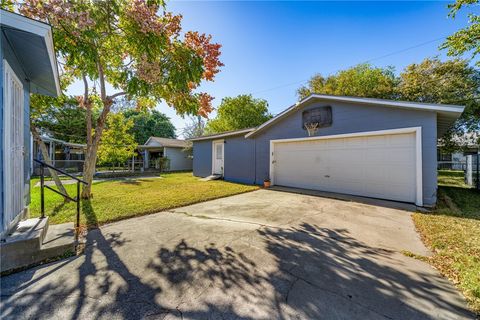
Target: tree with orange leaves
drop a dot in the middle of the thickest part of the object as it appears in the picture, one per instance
(136, 47)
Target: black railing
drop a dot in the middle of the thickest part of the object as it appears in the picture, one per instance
(44, 165)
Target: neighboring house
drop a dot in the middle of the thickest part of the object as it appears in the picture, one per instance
(467, 145)
(28, 65)
(179, 158)
(368, 147)
(65, 155)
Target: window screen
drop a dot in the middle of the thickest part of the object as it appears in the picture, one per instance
(320, 115)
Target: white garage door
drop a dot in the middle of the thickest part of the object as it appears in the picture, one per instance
(378, 166)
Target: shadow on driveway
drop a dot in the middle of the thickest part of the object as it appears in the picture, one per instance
(312, 273)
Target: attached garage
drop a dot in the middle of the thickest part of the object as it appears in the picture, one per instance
(379, 164)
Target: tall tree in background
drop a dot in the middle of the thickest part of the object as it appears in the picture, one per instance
(194, 128)
(148, 123)
(363, 80)
(240, 112)
(40, 106)
(136, 47)
(449, 82)
(64, 120)
(466, 40)
(117, 144)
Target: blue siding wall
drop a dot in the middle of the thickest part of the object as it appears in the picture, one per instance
(248, 160)
(202, 158)
(349, 118)
(239, 159)
(1, 135)
(7, 54)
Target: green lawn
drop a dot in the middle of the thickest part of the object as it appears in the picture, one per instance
(451, 178)
(120, 199)
(452, 231)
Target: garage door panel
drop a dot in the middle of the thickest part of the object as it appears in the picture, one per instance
(376, 141)
(381, 166)
(401, 140)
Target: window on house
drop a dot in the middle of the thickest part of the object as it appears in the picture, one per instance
(219, 152)
(320, 115)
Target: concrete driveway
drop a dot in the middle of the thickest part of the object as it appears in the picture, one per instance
(261, 255)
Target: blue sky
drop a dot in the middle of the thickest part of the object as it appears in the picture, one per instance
(270, 48)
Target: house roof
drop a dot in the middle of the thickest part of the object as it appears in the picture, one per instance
(165, 142)
(446, 114)
(32, 43)
(65, 143)
(223, 134)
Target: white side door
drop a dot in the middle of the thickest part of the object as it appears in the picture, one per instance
(218, 161)
(13, 126)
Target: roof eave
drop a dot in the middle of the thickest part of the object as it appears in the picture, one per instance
(222, 135)
(455, 110)
(18, 22)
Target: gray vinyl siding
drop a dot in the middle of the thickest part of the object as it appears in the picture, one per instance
(179, 159)
(248, 160)
(202, 158)
(1, 135)
(239, 159)
(350, 118)
(7, 54)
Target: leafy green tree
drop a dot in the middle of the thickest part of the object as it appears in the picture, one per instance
(148, 123)
(64, 120)
(466, 40)
(449, 82)
(240, 112)
(363, 80)
(117, 144)
(135, 46)
(41, 110)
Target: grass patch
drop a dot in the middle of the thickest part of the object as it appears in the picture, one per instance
(452, 178)
(415, 256)
(120, 199)
(452, 231)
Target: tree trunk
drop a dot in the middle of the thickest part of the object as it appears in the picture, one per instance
(92, 148)
(89, 171)
(46, 159)
(93, 140)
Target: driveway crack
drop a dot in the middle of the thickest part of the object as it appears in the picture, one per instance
(179, 311)
(331, 292)
(290, 289)
(222, 219)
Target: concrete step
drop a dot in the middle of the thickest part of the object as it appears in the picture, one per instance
(212, 177)
(60, 240)
(28, 236)
(30, 246)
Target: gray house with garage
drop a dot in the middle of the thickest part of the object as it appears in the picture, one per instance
(361, 146)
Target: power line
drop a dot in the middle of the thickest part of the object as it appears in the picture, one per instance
(366, 61)
(406, 49)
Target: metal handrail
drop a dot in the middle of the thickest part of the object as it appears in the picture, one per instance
(59, 170)
(43, 186)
